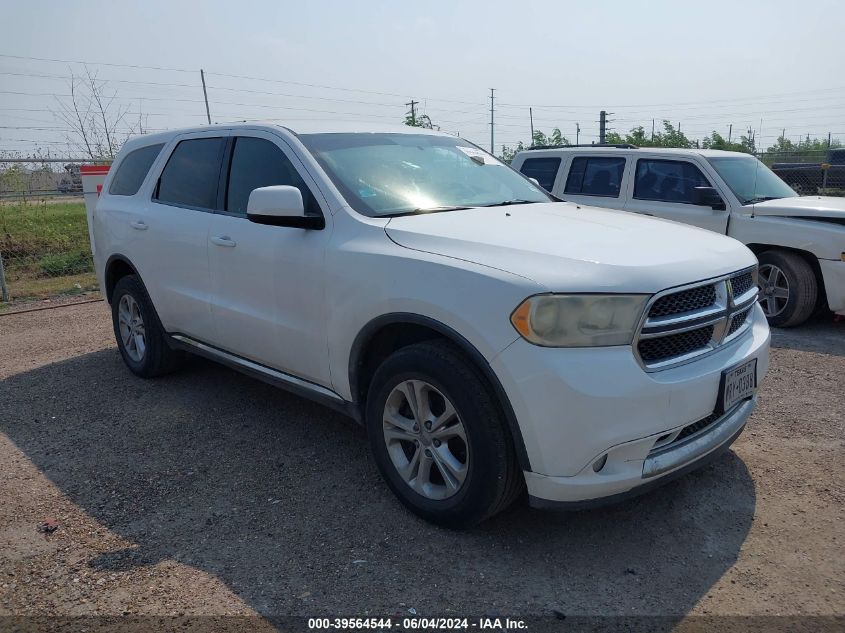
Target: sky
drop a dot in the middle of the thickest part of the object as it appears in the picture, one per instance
(769, 66)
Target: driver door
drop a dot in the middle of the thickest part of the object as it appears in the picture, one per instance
(267, 281)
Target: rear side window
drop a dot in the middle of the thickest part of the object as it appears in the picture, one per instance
(256, 163)
(667, 180)
(190, 177)
(595, 176)
(133, 169)
(543, 169)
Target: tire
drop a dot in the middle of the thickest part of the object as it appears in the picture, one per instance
(776, 269)
(153, 357)
(483, 462)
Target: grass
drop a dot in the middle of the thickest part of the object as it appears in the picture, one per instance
(45, 249)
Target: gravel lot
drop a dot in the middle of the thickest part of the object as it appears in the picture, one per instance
(206, 492)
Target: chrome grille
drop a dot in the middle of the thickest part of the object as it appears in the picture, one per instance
(692, 299)
(684, 323)
(661, 348)
(742, 283)
(738, 320)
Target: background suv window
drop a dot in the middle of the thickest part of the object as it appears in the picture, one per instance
(667, 180)
(190, 177)
(595, 176)
(133, 169)
(543, 169)
(256, 163)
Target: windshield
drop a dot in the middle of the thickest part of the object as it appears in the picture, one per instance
(751, 180)
(395, 174)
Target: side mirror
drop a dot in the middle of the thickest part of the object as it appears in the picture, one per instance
(708, 197)
(535, 181)
(281, 205)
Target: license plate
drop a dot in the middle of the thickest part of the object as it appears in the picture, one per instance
(738, 383)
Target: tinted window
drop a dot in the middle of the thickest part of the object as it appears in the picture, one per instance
(191, 174)
(543, 169)
(667, 180)
(260, 163)
(132, 171)
(595, 176)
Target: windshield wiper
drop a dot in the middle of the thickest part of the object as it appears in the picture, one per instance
(761, 199)
(506, 203)
(422, 211)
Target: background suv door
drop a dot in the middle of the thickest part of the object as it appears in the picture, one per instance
(268, 281)
(664, 188)
(594, 179)
(174, 260)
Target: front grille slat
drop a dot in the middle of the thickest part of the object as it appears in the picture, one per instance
(658, 349)
(694, 320)
(684, 301)
(742, 283)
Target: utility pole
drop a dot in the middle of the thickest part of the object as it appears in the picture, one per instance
(577, 133)
(531, 116)
(602, 127)
(205, 95)
(730, 132)
(492, 150)
(828, 140)
(652, 130)
(413, 105)
(783, 134)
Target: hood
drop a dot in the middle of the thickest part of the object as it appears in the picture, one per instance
(574, 248)
(813, 207)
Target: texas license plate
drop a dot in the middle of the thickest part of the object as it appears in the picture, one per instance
(738, 383)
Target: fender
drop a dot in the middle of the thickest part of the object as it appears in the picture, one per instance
(359, 346)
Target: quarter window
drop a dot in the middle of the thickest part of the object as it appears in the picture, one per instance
(133, 170)
(667, 181)
(543, 169)
(191, 175)
(595, 176)
(256, 163)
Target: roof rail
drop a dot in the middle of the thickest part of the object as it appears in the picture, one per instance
(617, 146)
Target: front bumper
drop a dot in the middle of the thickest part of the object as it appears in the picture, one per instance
(833, 274)
(576, 405)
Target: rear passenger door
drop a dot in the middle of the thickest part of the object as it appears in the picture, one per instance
(596, 180)
(174, 229)
(665, 188)
(268, 281)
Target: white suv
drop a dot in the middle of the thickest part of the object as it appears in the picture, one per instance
(800, 241)
(488, 336)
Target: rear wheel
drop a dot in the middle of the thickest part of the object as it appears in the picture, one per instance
(140, 337)
(439, 437)
(788, 288)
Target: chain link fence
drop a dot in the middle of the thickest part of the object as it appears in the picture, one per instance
(810, 173)
(45, 250)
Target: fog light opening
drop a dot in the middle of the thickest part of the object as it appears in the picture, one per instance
(599, 463)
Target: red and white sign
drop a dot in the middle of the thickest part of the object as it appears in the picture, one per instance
(93, 177)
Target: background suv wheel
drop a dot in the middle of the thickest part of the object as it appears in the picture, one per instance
(140, 337)
(439, 437)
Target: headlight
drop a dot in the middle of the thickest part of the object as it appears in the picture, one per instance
(579, 320)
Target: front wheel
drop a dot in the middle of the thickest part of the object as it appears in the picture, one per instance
(788, 288)
(439, 437)
(140, 337)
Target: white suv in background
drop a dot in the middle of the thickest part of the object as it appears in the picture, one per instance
(800, 241)
(488, 336)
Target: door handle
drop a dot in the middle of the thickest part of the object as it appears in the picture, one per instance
(224, 240)
(139, 225)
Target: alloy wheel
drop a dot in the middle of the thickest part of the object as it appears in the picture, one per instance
(426, 439)
(774, 293)
(131, 326)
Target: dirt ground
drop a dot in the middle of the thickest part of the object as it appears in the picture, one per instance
(206, 492)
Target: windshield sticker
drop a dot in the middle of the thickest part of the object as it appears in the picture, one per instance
(479, 156)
